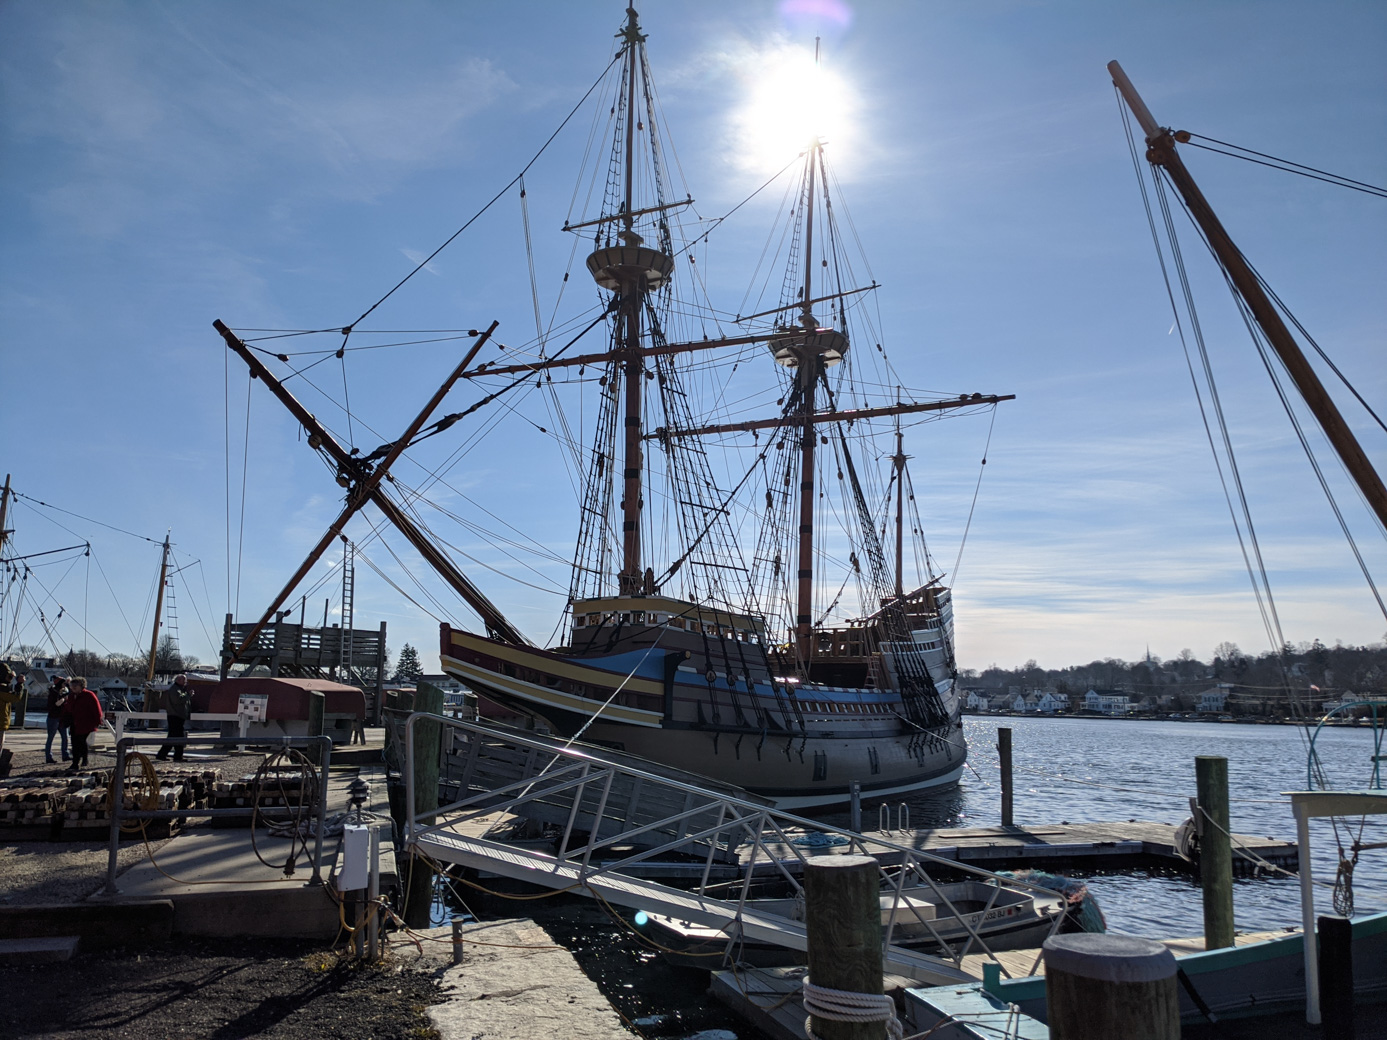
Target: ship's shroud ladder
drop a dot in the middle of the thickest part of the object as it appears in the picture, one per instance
(616, 817)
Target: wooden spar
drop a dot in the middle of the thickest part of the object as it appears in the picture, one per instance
(1161, 152)
(819, 299)
(158, 610)
(611, 355)
(634, 213)
(822, 417)
(4, 512)
(367, 488)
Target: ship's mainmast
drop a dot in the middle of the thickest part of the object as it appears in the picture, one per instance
(631, 270)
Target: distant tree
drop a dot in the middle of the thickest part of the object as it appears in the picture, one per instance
(409, 669)
(1227, 651)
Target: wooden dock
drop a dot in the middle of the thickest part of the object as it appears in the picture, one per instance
(1056, 847)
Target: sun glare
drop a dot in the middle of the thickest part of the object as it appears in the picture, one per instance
(792, 100)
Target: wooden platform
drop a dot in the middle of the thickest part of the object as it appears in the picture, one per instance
(1085, 846)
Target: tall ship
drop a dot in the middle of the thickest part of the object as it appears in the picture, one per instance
(751, 598)
(757, 633)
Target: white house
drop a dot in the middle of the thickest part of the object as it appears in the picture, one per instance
(977, 701)
(1049, 702)
(1213, 700)
(1107, 702)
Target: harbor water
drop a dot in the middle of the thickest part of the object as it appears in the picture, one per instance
(1088, 769)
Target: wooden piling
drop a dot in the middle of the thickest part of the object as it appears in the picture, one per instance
(1215, 851)
(843, 919)
(1004, 763)
(427, 739)
(1336, 977)
(1098, 987)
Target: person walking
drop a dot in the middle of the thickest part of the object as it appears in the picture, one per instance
(58, 696)
(85, 708)
(178, 705)
(7, 698)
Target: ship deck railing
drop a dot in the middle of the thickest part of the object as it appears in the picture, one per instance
(613, 817)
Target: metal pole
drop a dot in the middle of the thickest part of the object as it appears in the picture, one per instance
(373, 899)
(117, 802)
(1307, 916)
(855, 812)
(326, 744)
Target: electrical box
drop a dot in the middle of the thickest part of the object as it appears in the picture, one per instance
(356, 858)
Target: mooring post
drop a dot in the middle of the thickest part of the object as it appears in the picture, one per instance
(855, 809)
(1215, 851)
(1004, 762)
(842, 913)
(1336, 977)
(427, 739)
(1098, 987)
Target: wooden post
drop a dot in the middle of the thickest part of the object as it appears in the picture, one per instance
(316, 708)
(1215, 851)
(1336, 977)
(427, 739)
(1004, 763)
(842, 913)
(1098, 987)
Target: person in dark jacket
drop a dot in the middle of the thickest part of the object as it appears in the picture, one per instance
(85, 708)
(58, 695)
(178, 704)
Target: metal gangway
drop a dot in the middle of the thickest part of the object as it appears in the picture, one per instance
(617, 817)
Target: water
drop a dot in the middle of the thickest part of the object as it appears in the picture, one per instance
(1082, 770)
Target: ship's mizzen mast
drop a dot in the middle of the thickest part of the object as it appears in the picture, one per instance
(808, 375)
(898, 461)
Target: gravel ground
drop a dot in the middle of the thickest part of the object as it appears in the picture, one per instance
(223, 989)
(33, 872)
(60, 871)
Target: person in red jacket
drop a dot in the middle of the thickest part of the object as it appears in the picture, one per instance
(85, 708)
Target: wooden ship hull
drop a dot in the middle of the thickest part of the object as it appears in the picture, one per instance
(697, 689)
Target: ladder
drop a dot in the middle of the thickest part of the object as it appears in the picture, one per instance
(344, 645)
(620, 815)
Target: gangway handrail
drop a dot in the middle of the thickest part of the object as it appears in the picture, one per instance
(734, 816)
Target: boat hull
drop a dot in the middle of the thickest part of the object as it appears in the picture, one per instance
(737, 730)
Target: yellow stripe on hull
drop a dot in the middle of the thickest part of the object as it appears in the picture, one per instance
(545, 697)
(553, 666)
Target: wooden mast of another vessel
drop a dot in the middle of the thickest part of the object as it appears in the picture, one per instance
(898, 461)
(158, 611)
(1161, 151)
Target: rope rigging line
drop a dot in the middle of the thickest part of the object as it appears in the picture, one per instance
(1260, 344)
(79, 516)
(494, 199)
(982, 468)
(1285, 165)
(1266, 607)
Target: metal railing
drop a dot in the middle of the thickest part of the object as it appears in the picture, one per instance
(602, 801)
(121, 814)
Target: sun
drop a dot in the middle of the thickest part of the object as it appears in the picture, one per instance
(792, 99)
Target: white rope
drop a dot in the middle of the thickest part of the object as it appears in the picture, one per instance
(840, 1005)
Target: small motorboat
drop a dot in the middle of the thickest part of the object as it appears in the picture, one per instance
(943, 919)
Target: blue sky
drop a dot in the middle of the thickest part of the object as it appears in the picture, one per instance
(282, 165)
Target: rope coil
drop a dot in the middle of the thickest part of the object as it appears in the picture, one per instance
(839, 1005)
